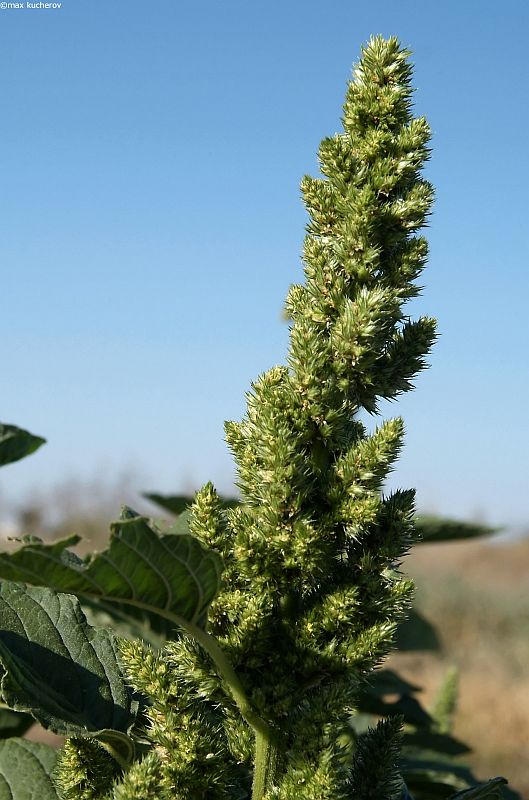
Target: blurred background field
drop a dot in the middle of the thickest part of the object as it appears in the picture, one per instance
(476, 595)
(474, 592)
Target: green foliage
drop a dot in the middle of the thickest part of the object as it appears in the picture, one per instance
(16, 443)
(178, 503)
(491, 790)
(416, 633)
(446, 702)
(141, 572)
(56, 667)
(279, 607)
(436, 529)
(26, 770)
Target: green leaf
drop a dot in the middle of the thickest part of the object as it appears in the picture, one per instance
(57, 668)
(416, 633)
(16, 443)
(430, 776)
(432, 740)
(171, 574)
(177, 503)
(490, 791)
(25, 770)
(118, 744)
(386, 681)
(181, 523)
(405, 706)
(437, 529)
(13, 723)
(373, 700)
(130, 623)
(431, 785)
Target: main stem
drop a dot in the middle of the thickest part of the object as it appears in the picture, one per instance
(236, 689)
(265, 765)
(266, 760)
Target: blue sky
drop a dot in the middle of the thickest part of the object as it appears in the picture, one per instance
(150, 224)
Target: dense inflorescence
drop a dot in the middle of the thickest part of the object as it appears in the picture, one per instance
(312, 592)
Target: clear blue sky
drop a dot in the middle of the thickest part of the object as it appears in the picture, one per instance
(150, 225)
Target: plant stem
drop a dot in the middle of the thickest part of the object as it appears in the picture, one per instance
(217, 655)
(266, 751)
(266, 760)
(225, 668)
(265, 765)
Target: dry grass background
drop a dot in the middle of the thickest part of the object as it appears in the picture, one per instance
(477, 595)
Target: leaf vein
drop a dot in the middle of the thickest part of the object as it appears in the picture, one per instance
(154, 569)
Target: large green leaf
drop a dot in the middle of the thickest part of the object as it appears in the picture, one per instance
(16, 443)
(25, 770)
(59, 669)
(171, 574)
